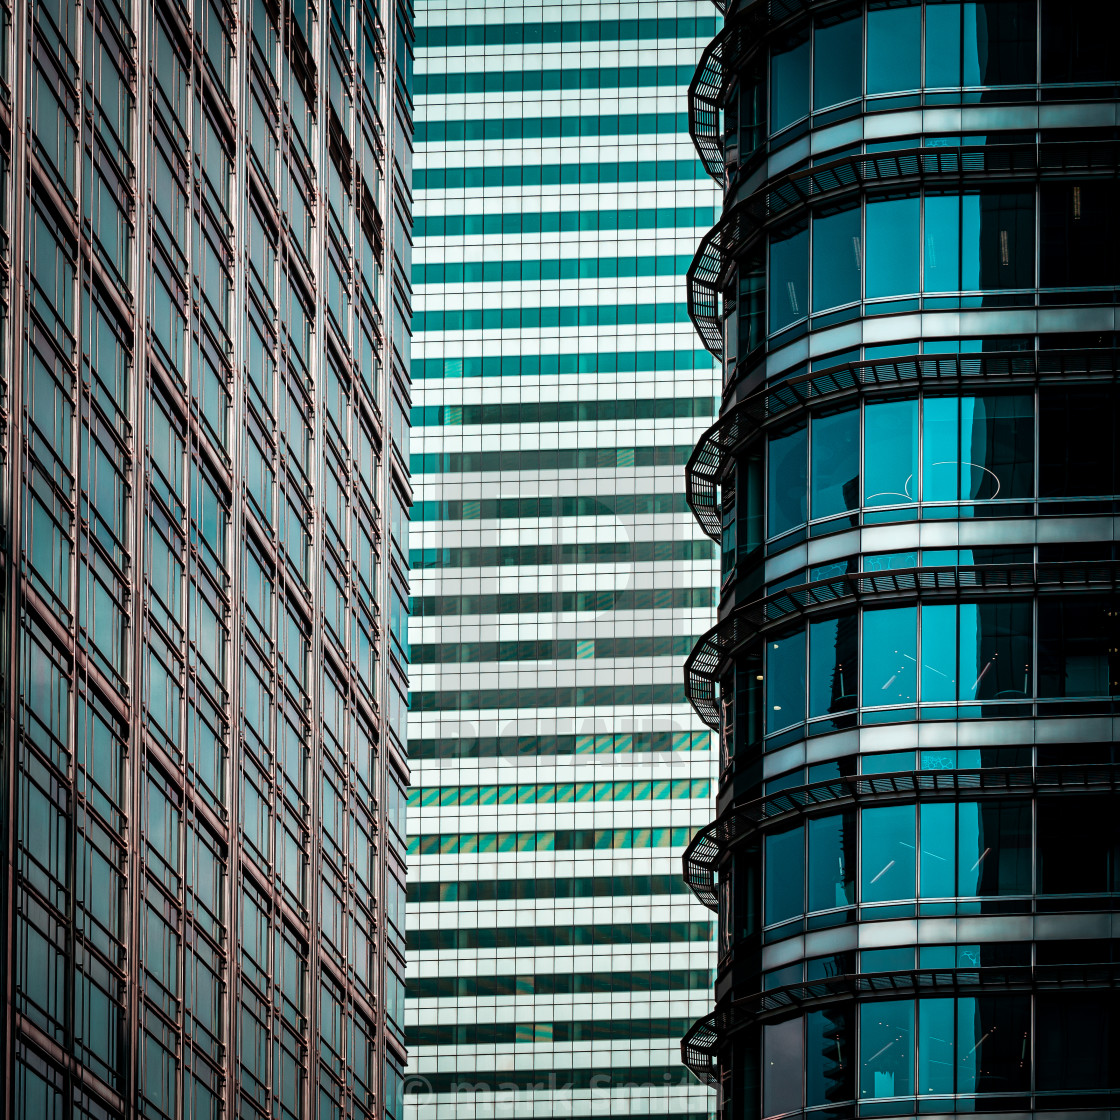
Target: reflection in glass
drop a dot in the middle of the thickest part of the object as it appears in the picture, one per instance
(783, 1060)
(789, 278)
(1079, 647)
(832, 842)
(785, 875)
(935, 1046)
(940, 449)
(752, 304)
(786, 472)
(890, 453)
(887, 854)
(894, 49)
(995, 650)
(942, 243)
(893, 247)
(886, 1049)
(993, 1044)
(834, 476)
(997, 447)
(993, 848)
(999, 39)
(939, 653)
(937, 858)
(997, 246)
(832, 665)
(789, 83)
(828, 1056)
(785, 681)
(890, 648)
(837, 62)
(837, 258)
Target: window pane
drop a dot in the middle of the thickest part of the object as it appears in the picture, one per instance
(1078, 648)
(890, 648)
(887, 854)
(836, 259)
(785, 681)
(943, 45)
(786, 473)
(940, 449)
(886, 1049)
(1073, 48)
(890, 455)
(828, 1056)
(997, 240)
(837, 58)
(789, 279)
(893, 249)
(993, 849)
(995, 651)
(1079, 230)
(832, 665)
(785, 875)
(894, 49)
(783, 1050)
(999, 42)
(942, 243)
(939, 653)
(832, 842)
(835, 471)
(997, 447)
(1077, 846)
(937, 857)
(1077, 444)
(993, 1044)
(789, 84)
(1076, 1037)
(935, 1046)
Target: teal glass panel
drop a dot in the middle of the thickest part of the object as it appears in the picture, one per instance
(939, 653)
(937, 861)
(784, 860)
(890, 656)
(789, 279)
(786, 475)
(828, 1056)
(943, 45)
(837, 62)
(995, 650)
(942, 243)
(785, 681)
(789, 84)
(893, 247)
(834, 478)
(887, 870)
(837, 258)
(993, 849)
(935, 1046)
(940, 449)
(886, 1049)
(832, 665)
(832, 845)
(890, 455)
(894, 49)
(997, 447)
(1000, 42)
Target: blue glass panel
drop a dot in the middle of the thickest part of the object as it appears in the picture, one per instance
(832, 665)
(939, 653)
(887, 854)
(943, 45)
(893, 247)
(836, 259)
(940, 449)
(886, 1049)
(834, 478)
(942, 243)
(890, 455)
(890, 654)
(937, 857)
(935, 1046)
(785, 681)
(789, 279)
(837, 62)
(894, 49)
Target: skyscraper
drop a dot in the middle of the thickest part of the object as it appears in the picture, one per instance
(556, 956)
(914, 480)
(205, 375)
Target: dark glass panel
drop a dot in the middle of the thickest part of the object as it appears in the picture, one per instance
(942, 243)
(993, 1044)
(1077, 442)
(837, 259)
(750, 502)
(1076, 1041)
(789, 83)
(834, 477)
(832, 849)
(936, 1059)
(837, 62)
(752, 304)
(893, 247)
(939, 653)
(1080, 234)
(890, 453)
(1079, 41)
(937, 855)
(787, 467)
(894, 49)
(997, 447)
(1079, 647)
(1077, 845)
(997, 240)
(996, 640)
(829, 1070)
(890, 655)
(886, 1049)
(833, 657)
(993, 848)
(999, 39)
(887, 854)
(785, 875)
(789, 278)
(785, 681)
(783, 1064)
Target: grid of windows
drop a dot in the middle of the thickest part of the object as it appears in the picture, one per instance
(196, 361)
(559, 393)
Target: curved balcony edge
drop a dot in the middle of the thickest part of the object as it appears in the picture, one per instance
(703, 109)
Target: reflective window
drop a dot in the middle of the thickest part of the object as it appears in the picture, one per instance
(894, 49)
(1077, 443)
(832, 859)
(835, 463)
(828, 1049)
(785, 681)
(789, 278)
(786, 472)
(789, 84)
(1080, 232)
(887, 867)
(832, 665)
(890, 653)
(890, 461)
(893, 247)
(993, 848)
(886, 1057)
(785, 875)
(783, 1051)
(837, 258)
(1073, 47)
(837, 62)
(1078, 647)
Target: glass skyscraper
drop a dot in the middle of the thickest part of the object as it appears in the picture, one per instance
(914, 480)
(204, 368)
(556, 957)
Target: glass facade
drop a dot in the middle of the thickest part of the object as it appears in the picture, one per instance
(555, 955)
(205, 217)
(913, 483)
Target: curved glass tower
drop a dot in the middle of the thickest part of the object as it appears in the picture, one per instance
(914, 480)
